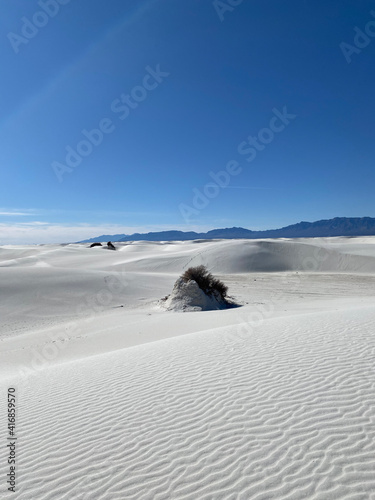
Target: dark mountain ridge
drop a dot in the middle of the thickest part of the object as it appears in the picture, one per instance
(339, 226)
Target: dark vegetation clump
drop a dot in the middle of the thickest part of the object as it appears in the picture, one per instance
(206, 281)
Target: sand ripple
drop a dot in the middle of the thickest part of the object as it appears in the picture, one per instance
(287, 412)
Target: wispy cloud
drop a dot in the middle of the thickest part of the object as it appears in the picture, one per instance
(35, 223)
(37, 232)
(82, 214)
(246, 187)
(12, 213)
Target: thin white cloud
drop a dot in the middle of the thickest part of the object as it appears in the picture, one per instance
(35, 223)
(41, 233)
(12, 213)
(21, 214)
(246, 187)
(50, 212)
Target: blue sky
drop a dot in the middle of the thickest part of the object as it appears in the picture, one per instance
(177, 87)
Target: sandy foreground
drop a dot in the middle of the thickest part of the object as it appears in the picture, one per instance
(119, 399)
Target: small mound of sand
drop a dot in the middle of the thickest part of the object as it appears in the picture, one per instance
(187, 296)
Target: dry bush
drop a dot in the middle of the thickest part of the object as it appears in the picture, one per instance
(206, 282)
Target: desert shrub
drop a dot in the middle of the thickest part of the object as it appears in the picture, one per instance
(204, 279)
(219, 286)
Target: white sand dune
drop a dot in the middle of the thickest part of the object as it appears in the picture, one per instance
(49, 280)
(119, 399)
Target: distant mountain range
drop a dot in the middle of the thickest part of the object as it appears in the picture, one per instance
(339, 226)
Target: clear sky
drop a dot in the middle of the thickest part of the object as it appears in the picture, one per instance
(278, 94)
